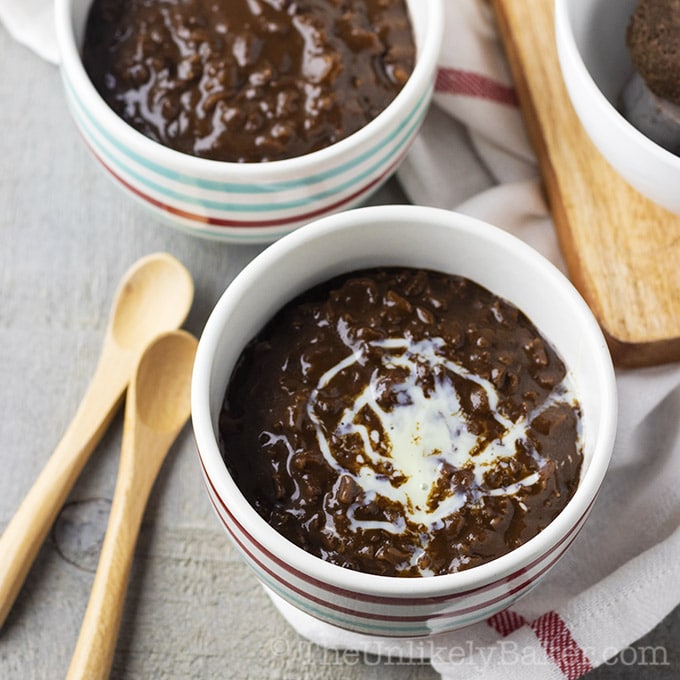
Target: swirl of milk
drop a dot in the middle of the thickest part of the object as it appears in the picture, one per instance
(422, 435)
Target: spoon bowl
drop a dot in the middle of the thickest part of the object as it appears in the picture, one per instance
(156, 295)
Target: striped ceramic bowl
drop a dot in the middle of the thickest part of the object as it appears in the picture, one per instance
(418, 237)
(254, 202)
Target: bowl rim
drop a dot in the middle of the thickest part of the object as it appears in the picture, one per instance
(419, 81)
(217, 475)
(570, 57)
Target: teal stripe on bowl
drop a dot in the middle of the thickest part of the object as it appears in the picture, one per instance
(367, 627)
(210, 204)
(326, 613)
(247, 208)
(240, 187)
(258, 230)
(247, 234)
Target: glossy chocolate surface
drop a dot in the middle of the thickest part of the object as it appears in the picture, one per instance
(248, 80)
(402, 422)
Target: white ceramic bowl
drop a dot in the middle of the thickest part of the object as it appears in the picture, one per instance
(594, 59)
(419, 237)
(253, 202)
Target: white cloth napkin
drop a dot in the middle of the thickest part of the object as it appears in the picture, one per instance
(622, 575)
(31, 22)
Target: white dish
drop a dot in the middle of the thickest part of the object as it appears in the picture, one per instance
(595, 65)
(418, 237)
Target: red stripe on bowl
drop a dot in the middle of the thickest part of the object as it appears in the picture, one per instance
(221, 222)
(422, 618)
(364, 597)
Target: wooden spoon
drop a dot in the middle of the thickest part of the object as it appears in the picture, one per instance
(158, 405)
(154, 296)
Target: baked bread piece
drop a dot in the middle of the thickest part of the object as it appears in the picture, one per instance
(651, 99)
(653, 39)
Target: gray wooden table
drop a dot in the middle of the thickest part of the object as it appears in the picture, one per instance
(193, 609)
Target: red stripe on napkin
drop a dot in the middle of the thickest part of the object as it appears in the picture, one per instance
(560, 646)
(470, 84)
(506, 622)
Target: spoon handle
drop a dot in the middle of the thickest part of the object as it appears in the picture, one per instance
(26, 531)
(96, 643)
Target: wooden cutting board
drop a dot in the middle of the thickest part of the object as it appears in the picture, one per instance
(622, 250)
